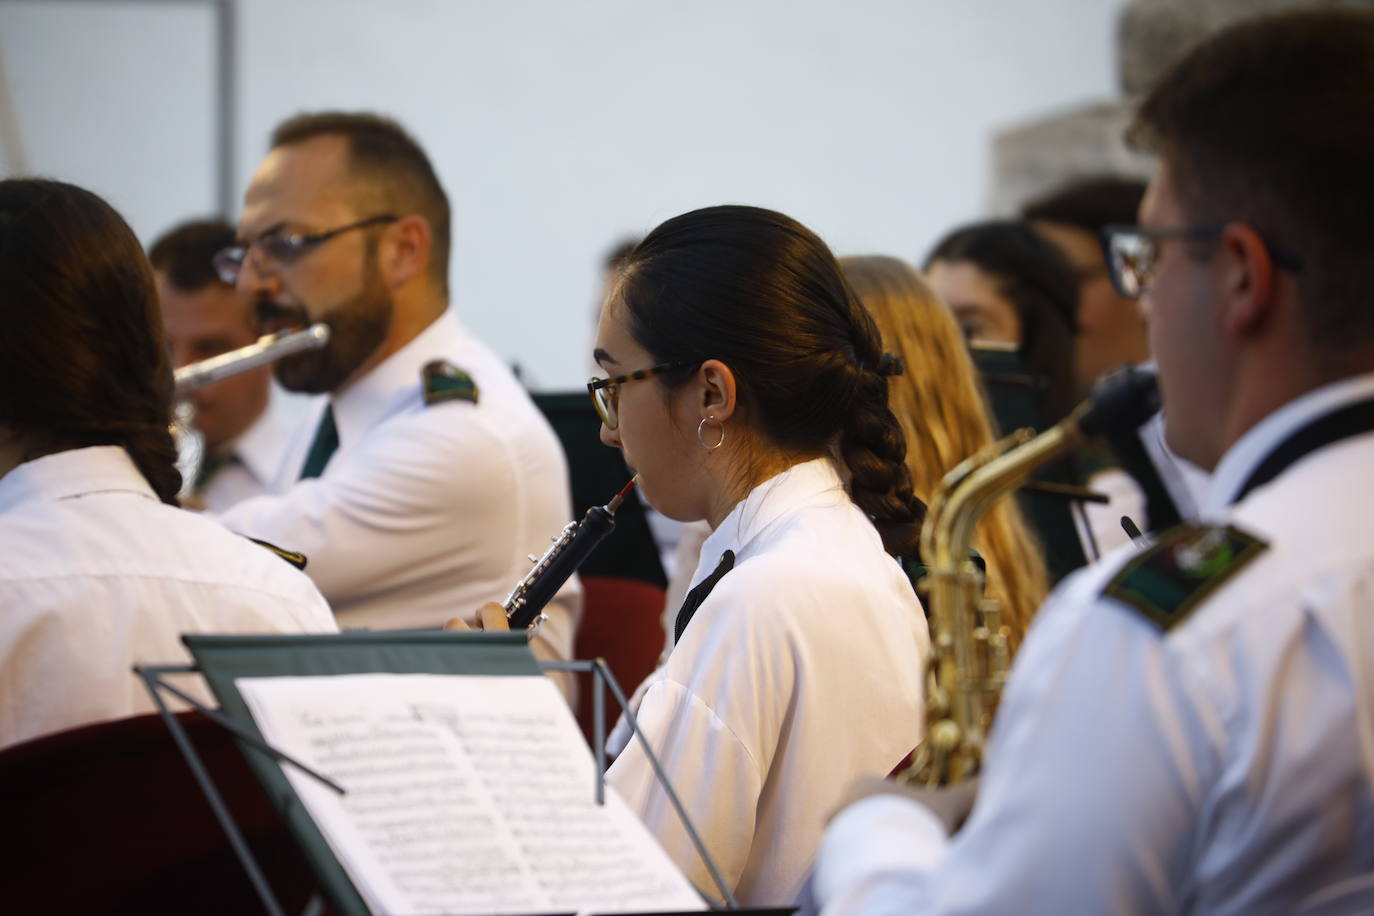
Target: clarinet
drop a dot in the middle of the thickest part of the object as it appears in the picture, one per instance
(571, 547)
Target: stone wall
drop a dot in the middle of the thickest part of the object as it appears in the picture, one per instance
(1031, 157)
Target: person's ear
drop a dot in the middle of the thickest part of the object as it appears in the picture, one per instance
(1247, 280)
(405, 248)
(716, 384)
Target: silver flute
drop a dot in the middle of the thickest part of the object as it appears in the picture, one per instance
(268, 348)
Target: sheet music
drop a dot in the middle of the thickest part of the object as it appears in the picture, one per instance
(465, 794)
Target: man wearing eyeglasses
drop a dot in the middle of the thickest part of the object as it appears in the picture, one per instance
(1112, 333)
(1189, 726)
(245, 422)
(425, 475)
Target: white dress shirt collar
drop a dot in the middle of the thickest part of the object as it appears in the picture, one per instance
(1245, 455)
(74, 472)
(765, 504)
(371, 398)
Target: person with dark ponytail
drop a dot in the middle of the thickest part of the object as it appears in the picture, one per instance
(102, 570)
(748, 387)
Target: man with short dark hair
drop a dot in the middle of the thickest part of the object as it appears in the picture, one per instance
(1110, 329)
(427, 475)
(1189, 727)
(1111, 332)
(244, 423)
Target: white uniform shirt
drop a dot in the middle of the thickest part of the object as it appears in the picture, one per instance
(1099, 524)
(1224, 766)
(425, 511)
(99, 575)
(1186, 482)
(799, 673)
(257, 455)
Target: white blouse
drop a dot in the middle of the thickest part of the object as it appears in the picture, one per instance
(99, 575)
(798, 674)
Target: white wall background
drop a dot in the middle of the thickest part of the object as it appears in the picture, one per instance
(559, 126)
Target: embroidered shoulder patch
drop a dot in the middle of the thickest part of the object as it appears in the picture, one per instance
(295, 559)
(1188, 562)
(446, 382)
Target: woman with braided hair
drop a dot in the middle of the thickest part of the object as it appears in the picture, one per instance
(747, 386)
(940, 404)
(101, 570)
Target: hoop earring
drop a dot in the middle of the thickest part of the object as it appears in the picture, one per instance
(702, 440)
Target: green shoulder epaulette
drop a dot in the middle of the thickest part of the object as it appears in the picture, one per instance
(295, 559)
(446, 382)
(1188, 562)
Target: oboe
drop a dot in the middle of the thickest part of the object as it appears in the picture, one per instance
(571, 547)
(266, 349)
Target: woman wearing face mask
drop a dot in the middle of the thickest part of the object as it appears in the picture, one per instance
(747, 386)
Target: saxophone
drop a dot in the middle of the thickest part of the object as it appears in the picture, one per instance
(969, 655)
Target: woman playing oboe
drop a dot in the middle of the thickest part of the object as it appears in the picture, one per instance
(747, 387)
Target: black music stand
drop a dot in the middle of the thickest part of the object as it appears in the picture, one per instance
(223, 659)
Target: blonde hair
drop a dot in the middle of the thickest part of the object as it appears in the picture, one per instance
(942, 409)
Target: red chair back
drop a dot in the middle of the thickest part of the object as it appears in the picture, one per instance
(622, 622)
(107, 818)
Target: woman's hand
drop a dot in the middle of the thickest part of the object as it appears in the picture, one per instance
(490, 616)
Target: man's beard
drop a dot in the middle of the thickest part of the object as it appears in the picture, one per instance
(357, 328)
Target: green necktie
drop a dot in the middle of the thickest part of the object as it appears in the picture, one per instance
(211, 465)
(323, 447)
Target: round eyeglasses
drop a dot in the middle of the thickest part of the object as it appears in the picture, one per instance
(605, 392)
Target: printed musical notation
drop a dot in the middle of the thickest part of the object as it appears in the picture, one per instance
(464, 794)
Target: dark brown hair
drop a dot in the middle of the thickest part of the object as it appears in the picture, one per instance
(1039, 282)
(82, 360)
(762, 294)
(1089, 203)
(1271, 122)
(185, 252)
(386, 160)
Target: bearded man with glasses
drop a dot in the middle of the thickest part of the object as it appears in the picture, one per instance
(1189, 725)
(425, 475)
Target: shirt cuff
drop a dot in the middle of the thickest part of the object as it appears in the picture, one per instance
(883, 835)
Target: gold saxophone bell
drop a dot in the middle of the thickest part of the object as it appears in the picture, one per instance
(970, 654)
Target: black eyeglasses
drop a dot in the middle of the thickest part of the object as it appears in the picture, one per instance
(283, 247)
(1132, 253)
(605, 392)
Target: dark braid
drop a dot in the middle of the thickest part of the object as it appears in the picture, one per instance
(82, 360)
(764, 295)
(873, 445)
(155, 454)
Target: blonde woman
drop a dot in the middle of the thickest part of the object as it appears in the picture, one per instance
(940, 406)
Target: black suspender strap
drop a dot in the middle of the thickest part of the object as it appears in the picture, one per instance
(1342, 423)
